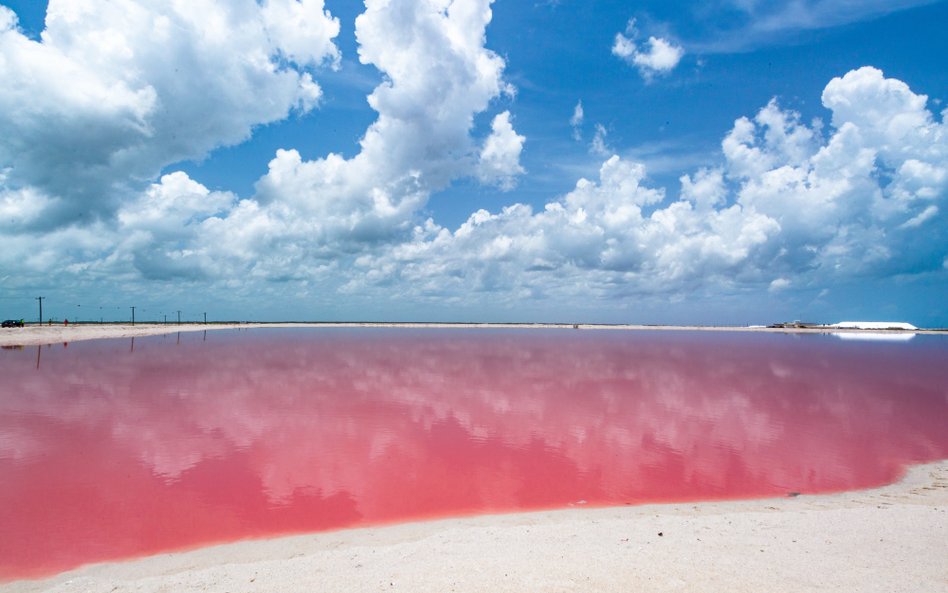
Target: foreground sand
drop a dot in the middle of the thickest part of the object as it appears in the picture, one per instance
(887, 540)
(53, 334)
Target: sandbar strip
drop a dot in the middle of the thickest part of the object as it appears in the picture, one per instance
(32, 335)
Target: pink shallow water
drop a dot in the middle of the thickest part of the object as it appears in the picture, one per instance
(113, 449)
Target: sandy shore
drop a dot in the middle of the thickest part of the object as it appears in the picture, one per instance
(54, 334)
(887, 540)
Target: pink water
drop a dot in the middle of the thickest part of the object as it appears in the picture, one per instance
(113, 449)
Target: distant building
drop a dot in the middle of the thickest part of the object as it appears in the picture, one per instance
(797, 325)
(873, 325)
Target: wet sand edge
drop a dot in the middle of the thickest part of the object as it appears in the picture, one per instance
(892, 538)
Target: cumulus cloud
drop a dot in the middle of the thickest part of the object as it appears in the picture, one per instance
(438, 76)
(655, 56)
(8, 20)
(500, 157)
(305, 214)
(302, 31)
(790, 204)
(112, 92)
(787, 208)
(161, 228)
(606, 234)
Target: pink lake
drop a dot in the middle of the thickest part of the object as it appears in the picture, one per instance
(113, 449)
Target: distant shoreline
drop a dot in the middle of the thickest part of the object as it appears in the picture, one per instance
(36, 334)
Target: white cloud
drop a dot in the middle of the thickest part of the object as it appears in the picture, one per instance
(787, 210)
(8, 20)
(775, 22)
(597, 239)
(115, 91)
(791, 205)
(887, 114)
(308, 216)
(500, 156)
(771, 17)
(838, 211)
(438, 75)
(598, 145)
(161, 229)
(576, 121)
(303, 31)
(660, 57)
(921, 218)
(773, 137)
(706, 190)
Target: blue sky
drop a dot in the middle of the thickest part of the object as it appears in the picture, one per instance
(727, 162)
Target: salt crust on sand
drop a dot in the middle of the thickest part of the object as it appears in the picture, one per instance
(888, 540)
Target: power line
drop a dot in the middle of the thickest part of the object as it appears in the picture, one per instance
(107, 310)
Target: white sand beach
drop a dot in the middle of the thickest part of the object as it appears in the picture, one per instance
(888, 540)
(53, 334)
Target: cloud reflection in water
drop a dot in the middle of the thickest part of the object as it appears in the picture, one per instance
(108, 452)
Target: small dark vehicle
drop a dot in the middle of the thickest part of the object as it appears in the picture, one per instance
(13, 323)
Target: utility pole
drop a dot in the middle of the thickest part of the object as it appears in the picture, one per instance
(205, 319)
(166, 319)
(133, 315)
(179, 317)
(40, 299)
